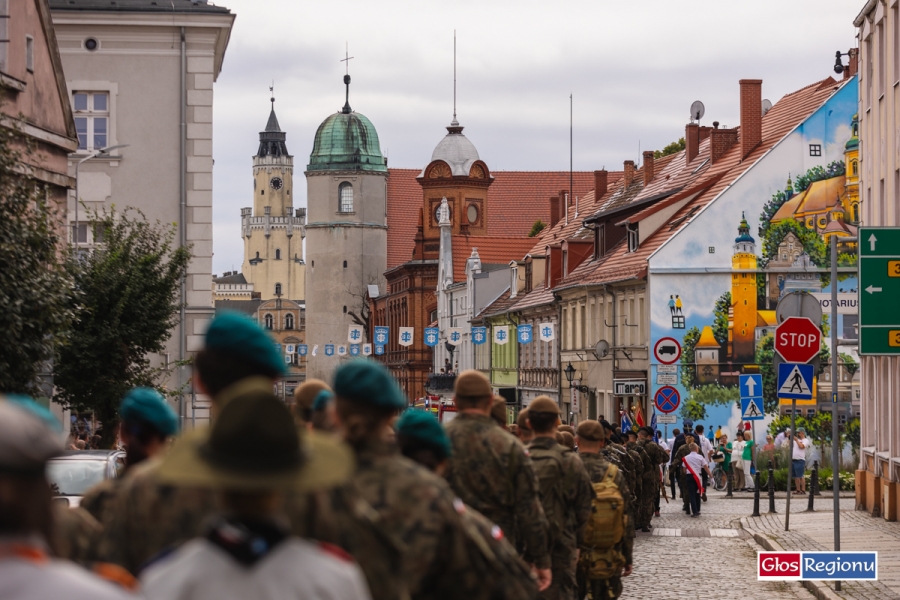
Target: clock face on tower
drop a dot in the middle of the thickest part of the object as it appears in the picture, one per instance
(276, 183)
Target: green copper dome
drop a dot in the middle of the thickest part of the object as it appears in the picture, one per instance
(346, 141)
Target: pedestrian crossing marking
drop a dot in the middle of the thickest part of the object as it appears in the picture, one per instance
(751, 409)
(795, 381)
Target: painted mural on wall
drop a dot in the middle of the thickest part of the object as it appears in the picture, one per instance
(782, 213)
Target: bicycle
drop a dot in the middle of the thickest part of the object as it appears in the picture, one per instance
(719, 478)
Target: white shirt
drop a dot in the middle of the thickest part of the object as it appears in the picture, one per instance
(799, 453)
(779, 440)
(296, 568)
(696, 462)
(705, 447)
(737, 453)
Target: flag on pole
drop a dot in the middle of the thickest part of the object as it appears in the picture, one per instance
(626, 422)
(653, 427)
(639, 416)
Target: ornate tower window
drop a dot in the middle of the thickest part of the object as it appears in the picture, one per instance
(277, 289)
(277, 253)
(345, 193)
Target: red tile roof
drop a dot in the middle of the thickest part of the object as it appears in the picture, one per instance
(620, 265)
(517, 199)
(540, 296)
(492, 250)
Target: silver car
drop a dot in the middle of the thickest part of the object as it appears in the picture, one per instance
(75, 472)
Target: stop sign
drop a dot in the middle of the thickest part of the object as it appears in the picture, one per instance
(798, 340)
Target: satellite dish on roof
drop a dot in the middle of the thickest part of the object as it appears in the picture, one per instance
(697, 110)
(601, 349)
(767, 106)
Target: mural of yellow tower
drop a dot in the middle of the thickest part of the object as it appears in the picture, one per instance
(851, 160)
(742, 314)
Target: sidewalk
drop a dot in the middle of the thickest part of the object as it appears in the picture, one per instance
(815, 531)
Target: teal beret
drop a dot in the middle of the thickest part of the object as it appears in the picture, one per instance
(242, 337)
(43, 413)
(423, 426)
(366, 381)
(148, 406)
(322, 399)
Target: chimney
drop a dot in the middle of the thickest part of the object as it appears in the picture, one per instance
(648, 166)
(629, 172)
(601, 180)
(554, 210)
(704, 131)
(853, 66)
(691, 142)
(751, 115)
(720, 141)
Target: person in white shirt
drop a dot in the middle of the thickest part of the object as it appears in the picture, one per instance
(798, 461)
(737, 461)
(253, 456)
(695, 465)
(781, 437)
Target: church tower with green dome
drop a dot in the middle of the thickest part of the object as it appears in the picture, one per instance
(346, 230)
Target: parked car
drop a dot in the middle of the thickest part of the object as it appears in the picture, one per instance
(75, 472)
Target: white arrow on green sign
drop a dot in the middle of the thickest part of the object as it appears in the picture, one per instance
(879, 285)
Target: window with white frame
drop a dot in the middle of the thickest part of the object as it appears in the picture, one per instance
(345, 191)
(91, 119)
(633, 238)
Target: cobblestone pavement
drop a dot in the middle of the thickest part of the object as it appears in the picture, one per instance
(672, 564)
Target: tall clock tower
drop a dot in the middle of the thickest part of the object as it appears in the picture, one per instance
(273, 231)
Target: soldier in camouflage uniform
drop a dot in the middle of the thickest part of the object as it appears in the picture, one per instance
(149, 517)
(652, 479)
(414, 505)
(566, 495)
(591, 440)
(618, 454)
(646, 500)
(683, 451)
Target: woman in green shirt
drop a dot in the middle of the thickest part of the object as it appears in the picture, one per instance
(747, 457)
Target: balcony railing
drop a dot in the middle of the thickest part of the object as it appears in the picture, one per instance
(539, 378)
(438, 382)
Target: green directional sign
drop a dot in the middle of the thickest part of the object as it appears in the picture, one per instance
(879, 290)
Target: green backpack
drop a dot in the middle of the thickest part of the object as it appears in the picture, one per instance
(604, 530)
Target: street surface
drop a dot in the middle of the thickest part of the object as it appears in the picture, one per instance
(672, 563)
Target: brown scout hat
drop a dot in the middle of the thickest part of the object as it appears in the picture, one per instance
(567, 428)
(306, 393)
(522, 421)
(472, 384)
(591, 431)
(567, 439)
(543, 404)
(498, 411)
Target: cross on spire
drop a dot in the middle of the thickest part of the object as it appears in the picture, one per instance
(346, 60)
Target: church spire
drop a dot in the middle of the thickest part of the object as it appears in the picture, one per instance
(272, 124)
(271, 141)
(346, 60)
(454, 124)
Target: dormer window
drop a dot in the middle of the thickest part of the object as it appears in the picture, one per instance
(514, 281)
(599, 241)
(633, 238)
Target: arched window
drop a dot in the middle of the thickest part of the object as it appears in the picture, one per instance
(277, 253)
(855, 210)
(345, 193)
(257, 255)
(269, 321)
(289, 321)
(277, 289)
(854, 168)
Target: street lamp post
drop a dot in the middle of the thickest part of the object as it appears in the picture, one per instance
(93, 154)
(570, 376)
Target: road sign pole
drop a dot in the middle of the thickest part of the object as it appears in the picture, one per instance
(835, 446)
(787, 506)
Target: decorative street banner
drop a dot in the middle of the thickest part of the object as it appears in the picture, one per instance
(329, 349)
(501, 334)
(479, 335)
(547, 332)
(302, 349)
(379, 349)
(455, 336)
(406, 336)
(287, 358)
(524, 332)
(382, 335)
(354, 334)
(367, 350)
(289, 349)
(354, 349)
(315, 350)
(342, 350)
(432, 335)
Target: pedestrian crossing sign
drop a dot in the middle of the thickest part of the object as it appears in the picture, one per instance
(752, 409)
(795, 381)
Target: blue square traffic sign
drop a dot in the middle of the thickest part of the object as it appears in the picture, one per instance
(795, 381)
(751, 386)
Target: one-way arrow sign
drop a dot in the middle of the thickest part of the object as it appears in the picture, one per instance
(749, 386)
(872, 289)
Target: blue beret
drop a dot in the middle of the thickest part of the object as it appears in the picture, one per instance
(687, 423)
(368, 382)
(423, 426)
(322, 399)
(43, 413)
(148, 406)
(242, 337)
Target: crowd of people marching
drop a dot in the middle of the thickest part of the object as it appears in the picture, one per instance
(345, 493)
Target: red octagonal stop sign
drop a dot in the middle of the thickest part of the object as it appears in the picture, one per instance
(798, 340)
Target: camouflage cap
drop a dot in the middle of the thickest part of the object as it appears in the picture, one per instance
(423, 426)
(147, 406)
(306, 392)
(472, 384)
(242, 337)
(591, 431)
(543, 404)
(368, 382)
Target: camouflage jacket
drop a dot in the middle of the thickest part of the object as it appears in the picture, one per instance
(682, 452)
(596, 467)
(646, 462)
(418, 508)
(490, 471)
(575, 487)
(632, 470)
(100, 499)
(657, 455)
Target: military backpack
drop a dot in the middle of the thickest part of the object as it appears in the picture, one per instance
(548, 466)
(604, 530)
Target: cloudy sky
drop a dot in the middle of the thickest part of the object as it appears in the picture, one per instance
(634, 73)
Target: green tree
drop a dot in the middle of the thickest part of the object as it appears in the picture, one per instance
(850, 365)
(812, 243)
(720, 319)
(802, 182)
(34, 288)
(714, 394)
(852, 436)
(537, 228)
(688, 364)
(691, 409)
(127, 305)
(672, 148)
